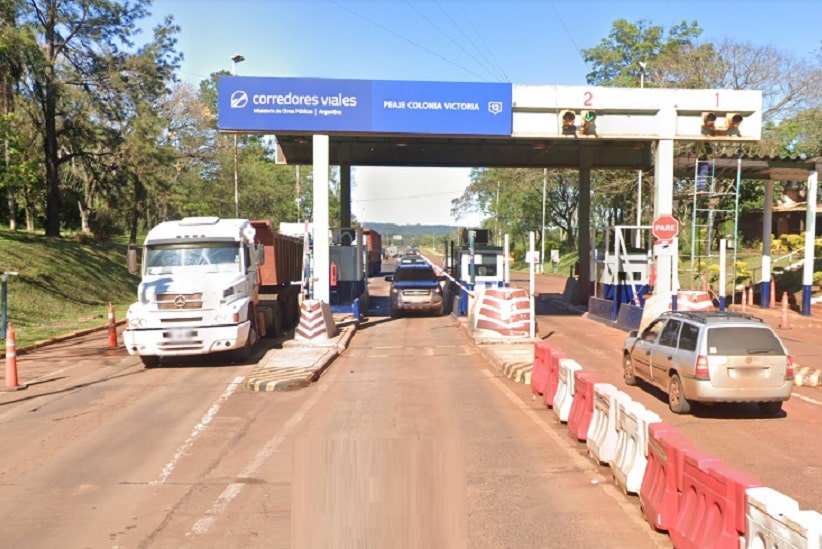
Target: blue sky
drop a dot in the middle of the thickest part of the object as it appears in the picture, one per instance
(518, 41)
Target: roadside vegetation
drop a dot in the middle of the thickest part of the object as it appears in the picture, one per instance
(62, 285)
(140, 147)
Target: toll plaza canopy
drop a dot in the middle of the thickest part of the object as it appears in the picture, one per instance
(463, 124)
(398, 123)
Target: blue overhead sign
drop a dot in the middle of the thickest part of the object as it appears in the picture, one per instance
(258, 104)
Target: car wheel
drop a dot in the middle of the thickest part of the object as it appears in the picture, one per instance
(394, 313)
(676, 396)
(770, 408)
(150, 361)
(628, 370)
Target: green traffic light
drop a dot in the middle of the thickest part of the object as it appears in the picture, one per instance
(590, 116)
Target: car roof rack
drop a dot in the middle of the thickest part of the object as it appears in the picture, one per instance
(704, 316)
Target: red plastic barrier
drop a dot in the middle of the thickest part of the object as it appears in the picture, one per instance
(550, 390)
(712, 508)
(582, 407)
(539, 374)
(662, 482)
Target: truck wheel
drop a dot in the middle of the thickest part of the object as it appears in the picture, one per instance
(244, 354)
(150, 361)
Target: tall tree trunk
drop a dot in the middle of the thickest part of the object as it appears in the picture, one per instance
(50, 146)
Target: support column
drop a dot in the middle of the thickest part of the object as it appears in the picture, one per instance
(584, 223)
(767, 229)
(810, 235)
(321, 241)
(345, 195)
(667, 262)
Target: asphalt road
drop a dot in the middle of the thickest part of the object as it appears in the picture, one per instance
(410, 439)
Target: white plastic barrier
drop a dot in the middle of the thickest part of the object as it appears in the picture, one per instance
(601, 438)
(565, 388)
(632, 445)
(774, 520)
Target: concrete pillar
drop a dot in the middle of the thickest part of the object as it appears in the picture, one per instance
(345, 195)
(584, 224)
(320, 213)
(810, 236)
(767, 229)
(667, 260)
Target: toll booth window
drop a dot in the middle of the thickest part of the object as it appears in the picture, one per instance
(488, 266)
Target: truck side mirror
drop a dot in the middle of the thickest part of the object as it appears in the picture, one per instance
(131, 260)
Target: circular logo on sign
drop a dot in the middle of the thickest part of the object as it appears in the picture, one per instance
(239, 99)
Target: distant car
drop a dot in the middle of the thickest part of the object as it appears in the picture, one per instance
(711, 357)
(413, 260)
(412, 251)
(415, 287)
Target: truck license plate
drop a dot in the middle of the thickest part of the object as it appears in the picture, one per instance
(180, 334)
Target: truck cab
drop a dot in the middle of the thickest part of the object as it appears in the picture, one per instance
(199, 290)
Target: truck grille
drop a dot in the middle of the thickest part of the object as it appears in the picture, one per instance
(178, 302)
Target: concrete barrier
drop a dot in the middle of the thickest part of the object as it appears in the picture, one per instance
(631, 456)
(552, 381)
(503, 313)
(662, 483)
(316, 322)
(602, 434)
(565, 389)
(542, 360)
(774, 520)
(582, 408)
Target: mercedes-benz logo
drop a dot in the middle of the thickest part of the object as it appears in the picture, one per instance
(180, 302)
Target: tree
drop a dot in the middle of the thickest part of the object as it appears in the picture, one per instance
(78, 46)
(616, 61)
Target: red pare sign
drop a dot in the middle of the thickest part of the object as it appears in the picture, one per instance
(665, 227)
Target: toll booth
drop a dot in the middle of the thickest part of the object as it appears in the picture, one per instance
(348, 281)
(621, 269)
(476, 263)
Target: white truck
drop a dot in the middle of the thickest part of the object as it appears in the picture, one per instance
(199, 290)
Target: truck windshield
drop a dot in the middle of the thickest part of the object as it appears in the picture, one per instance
(217, 257)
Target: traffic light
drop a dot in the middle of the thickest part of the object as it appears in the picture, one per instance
(589, 122)
(733, 119)
(568, 119)
(708, 123)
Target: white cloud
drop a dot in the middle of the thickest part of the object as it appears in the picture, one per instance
(407, 196)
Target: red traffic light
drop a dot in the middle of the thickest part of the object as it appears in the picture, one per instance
(568, 119)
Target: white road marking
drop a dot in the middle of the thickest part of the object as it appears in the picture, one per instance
(197, 431)
(806, 399)
(203, 524)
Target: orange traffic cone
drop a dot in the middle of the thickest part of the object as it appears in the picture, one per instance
(11, 361)
(112, 328)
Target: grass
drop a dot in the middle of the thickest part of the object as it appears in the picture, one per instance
(62, 284)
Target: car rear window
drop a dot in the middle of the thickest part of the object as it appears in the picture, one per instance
(743, 340)
(414, 274)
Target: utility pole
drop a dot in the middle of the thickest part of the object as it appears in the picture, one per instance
(236, 58)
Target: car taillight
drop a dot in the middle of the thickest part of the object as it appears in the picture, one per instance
(789, 368)
(701, 371)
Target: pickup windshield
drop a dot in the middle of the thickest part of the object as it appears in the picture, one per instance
(218, 257)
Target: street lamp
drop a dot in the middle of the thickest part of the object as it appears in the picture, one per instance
(236, 58)
(638, 236)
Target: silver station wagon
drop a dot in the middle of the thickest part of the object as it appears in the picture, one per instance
(711, 357)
